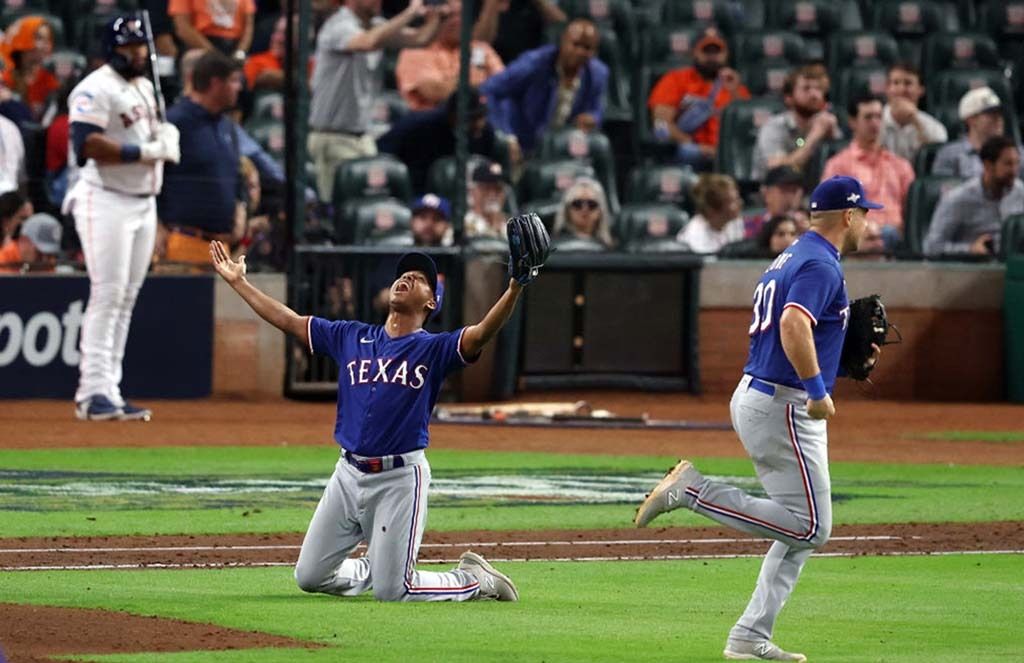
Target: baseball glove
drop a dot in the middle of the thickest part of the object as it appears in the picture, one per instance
(528, 247)
(868, 325)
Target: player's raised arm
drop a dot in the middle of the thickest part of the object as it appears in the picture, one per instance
(528, 246)
(268, 308)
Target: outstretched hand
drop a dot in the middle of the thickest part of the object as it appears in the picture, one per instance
(232, 271)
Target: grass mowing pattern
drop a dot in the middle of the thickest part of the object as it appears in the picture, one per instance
(843, 610)
(864, 493)
(1005, 436)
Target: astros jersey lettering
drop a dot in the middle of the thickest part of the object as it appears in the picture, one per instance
(387, 387)
(808, 277)
(126, 111)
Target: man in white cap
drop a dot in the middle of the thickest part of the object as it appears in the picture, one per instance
(36, 249)
(982, 112)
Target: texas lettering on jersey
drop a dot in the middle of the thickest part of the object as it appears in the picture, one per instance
(360, 372)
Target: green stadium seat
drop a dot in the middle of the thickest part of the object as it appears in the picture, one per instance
(669, 46)
(375, 219)
(371, 177)
(610, 16)
(963, 50)
(649, 221)
(925, 157)
(741, 121)
(388, 107)
(922, 198)
(856, 49)
(546, 209)
(269, 133)
(817, 17)
(855, 81)
(755, 46)
(766, 77)
(946, 87)
(591, 147)
(441, 175)
(546, 179)
(577, 245)
(1004, 20)
(663, 245)
(268, 106)
(615, 54)
(914, 18)
(667, 184)
(1011, 242)
(726, 16)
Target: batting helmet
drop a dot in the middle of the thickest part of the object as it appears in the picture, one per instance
(123, 31)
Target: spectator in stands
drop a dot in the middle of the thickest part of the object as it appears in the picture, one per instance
(685, 102)
(550, 87)
(36, 249)
(584, 213)
(516, 26)
(14, 209)
(795, 136)
(486, 215)
(885, 176)
(271, 172)
(12, 156)
(200, 197)
(905, 127)
(428, 76)
(982, 112)
(968, 219)
(773, 237)
(347, 78)
(419, 139)
(782, 191)
(11, 105)
(215, 25)
(29, 40)
(265, 71)
(718, 219)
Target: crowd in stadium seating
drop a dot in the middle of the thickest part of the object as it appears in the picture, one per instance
(635, 125)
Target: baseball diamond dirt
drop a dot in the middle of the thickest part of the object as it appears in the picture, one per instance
(863, 431)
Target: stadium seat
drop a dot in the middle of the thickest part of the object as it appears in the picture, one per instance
(591, 147)
(855, 81)
(925, 157)
(755, 46)
(741, 121)
(910, 21)
(269, 133)
(667, 47)
(268, 106)
(727, 16)
(546, 209)
(817, 18)
(371, 177)
(577, 245)
(963, 50)
(398, 239)
(946, 88)
(766, 77)
(547, 179)
(922, 198)
(649, 221)
(855, 49)
(659, 184)
(66, 64)
(388, 64)
(441, 175)
(1004, 20)
(616, 55)
(375, 219)
(388, 107)
(611, 17)
(1011, 242)
(33, 136)
(661, 245)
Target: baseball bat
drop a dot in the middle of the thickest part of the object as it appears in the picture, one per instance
(154, 73)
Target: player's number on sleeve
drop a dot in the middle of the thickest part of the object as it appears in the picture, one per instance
(764, 299)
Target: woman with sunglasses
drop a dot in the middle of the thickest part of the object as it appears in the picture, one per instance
(584, 213)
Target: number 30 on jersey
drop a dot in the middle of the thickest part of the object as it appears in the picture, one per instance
(764, 301)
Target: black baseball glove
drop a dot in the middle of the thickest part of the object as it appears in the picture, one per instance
(528, 247)
(868, 325)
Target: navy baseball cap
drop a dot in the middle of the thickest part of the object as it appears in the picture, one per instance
(840, 192)
(434, 202)
(414, 261)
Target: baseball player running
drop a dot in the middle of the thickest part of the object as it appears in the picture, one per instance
(120, 145)
(388, 382)
(779, 410)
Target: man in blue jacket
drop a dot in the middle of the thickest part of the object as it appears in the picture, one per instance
(550, 87)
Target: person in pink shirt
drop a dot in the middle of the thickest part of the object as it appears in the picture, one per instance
(886, 177)
(428, 76)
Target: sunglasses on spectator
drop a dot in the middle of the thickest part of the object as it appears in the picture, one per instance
(583, 203)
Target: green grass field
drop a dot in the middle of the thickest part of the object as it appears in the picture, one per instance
(926, 609)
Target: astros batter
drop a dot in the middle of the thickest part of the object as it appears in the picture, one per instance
(119, 146)
(388, 382)
(779, 410)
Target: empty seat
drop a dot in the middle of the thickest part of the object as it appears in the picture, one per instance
(963, 50)
(767, 76)
(925, 157)
(592, 147)
(727, 16)
(666, 184)
(1004, 20)
(856, 81)
(268, 105)
(855, 49)
(610, 16)
(753, 47)
(741, 120)
(1011, 241)
(817, 18)
(371, 177)
(922, 197)
(375, 219)
(670, 46)
(649, 221)
(547, 179)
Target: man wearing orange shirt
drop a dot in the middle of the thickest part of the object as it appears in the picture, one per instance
(265, 71)
(428, 76)
(886, 177)
(223, 25)
(682, 108)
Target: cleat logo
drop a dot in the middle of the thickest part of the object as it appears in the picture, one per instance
(673, 497)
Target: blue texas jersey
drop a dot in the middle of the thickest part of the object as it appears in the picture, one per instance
(387, 386)
(806, 276)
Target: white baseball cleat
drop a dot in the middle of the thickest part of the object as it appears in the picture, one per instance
(741, 650)
(669, 494)
(493, 583)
